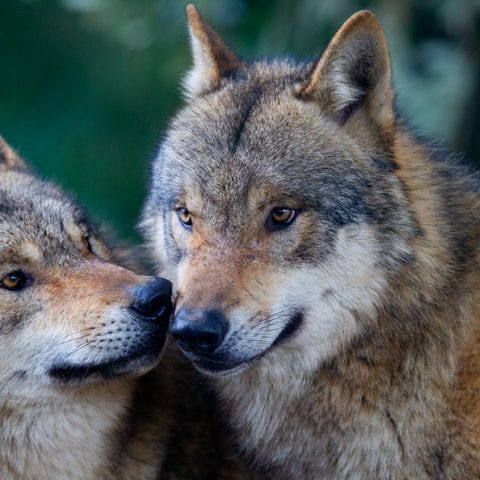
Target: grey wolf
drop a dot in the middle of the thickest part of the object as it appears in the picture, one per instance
(77, 331)
(325, 261)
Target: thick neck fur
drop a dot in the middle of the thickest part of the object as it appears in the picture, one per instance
(68, 438)
(391, 404)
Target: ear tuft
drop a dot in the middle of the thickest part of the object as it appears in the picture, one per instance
(354, 70)
(212, 59)
(9, 159)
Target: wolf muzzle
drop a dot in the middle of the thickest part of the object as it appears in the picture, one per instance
(149, 310)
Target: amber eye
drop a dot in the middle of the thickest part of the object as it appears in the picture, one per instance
(281, 217)
(14, 281)
(185, 217)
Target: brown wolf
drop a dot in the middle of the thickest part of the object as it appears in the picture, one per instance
(326, 261)
(76, 330)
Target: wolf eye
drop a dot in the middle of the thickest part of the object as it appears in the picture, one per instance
(185, 217)
(281, 217)
(14, 281)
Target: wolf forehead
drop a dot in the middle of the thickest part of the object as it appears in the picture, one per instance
(253, 133)
(37, 217)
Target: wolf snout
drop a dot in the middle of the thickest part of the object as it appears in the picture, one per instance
(152, 300)
(200, 331)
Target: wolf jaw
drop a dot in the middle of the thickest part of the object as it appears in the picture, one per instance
(382, 260)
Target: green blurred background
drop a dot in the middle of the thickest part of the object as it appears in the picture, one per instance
(87, 86)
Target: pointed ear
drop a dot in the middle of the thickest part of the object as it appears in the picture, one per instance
(354, 73)
(9, 159)
(212, 59)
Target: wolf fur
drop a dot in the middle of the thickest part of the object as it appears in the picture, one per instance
(346, 343)
(73, 344)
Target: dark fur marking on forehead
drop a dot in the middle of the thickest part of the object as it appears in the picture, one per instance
(248, 103)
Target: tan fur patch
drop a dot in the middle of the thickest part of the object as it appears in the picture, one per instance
(30, 251)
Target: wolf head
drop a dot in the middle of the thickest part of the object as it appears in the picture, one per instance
(68, 314)
(274, 202)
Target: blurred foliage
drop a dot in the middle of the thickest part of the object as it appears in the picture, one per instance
(87, 86)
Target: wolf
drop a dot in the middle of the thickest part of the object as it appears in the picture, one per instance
(325, 262)
(77, 334)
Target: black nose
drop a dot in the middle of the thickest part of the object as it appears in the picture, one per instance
(200, 331)
(153, 300)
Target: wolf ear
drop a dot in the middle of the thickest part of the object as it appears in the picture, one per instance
(354, 72)
(9, 159)
(212, 59)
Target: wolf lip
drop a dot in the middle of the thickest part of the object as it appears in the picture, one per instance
(212, 366)
(290, 328)
(114, 368)
(135, 361)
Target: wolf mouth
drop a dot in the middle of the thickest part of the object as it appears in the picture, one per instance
(143, 357)
(226, 366)
(217, 367)
(290, 328)
(111, 369)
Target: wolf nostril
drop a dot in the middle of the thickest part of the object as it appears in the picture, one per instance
(200, 331)
(153, 299)
(183, 343)
(207, 341)
(202, 343)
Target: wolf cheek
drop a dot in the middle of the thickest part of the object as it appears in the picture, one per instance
(311, 312)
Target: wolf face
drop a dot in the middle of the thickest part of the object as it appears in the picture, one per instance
(67, 314)
(274, 198)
